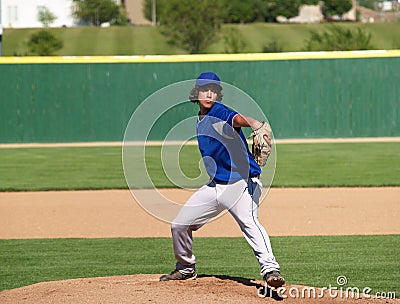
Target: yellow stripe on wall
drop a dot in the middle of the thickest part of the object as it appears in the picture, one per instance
(200, 58)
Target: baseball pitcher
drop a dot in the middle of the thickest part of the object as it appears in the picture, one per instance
(234, 183)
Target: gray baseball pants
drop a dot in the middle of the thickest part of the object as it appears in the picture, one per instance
(241, 199)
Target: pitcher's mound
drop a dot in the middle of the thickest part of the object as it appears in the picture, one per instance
(148, 289)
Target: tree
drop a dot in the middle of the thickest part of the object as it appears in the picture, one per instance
(46, 17)
(96, 12)
(275, 8)
(44, 43)
(148, 9)
(261, 10)
(310, 2)
(191, 25)
(338, 38)
(122, 18)
(238, 11)
(336, 7)
(371, 4)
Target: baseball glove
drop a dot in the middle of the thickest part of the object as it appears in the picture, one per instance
(262, 144)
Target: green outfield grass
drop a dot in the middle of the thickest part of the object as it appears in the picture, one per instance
(338, 164)
(147, 40)
(298, 165)
(366, 261)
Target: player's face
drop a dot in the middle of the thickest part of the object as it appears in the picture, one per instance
(207, 98)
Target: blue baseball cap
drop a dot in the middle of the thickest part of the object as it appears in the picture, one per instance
(207, 78)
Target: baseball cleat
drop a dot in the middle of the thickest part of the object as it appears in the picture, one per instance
(274, 279)
(176, 275)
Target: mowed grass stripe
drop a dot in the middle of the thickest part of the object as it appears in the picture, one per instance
(77, 41)
(90, 41)
(150, 41)
(124, 41)
(366, 261)
(338, 164)
(107, 42)
(17, 43)
(298, 165)
(61, 168)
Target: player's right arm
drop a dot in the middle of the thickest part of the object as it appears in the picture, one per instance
(246, 121)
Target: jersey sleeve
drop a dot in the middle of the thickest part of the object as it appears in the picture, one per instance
(227, 115)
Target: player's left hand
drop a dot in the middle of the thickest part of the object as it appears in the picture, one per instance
(262, 144)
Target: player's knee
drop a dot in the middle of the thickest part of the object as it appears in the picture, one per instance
(249, 223)
(178, 227)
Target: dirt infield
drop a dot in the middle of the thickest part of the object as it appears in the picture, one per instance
(114, 213)
(147, 289)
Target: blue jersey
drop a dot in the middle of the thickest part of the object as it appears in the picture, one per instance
(224, 149)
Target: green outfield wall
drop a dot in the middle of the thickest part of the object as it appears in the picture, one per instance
(321, 95)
